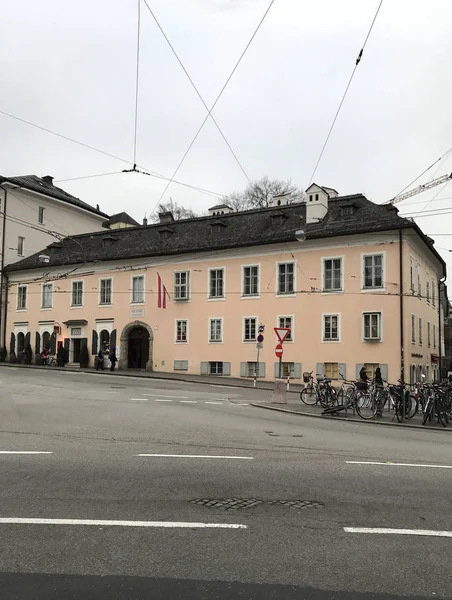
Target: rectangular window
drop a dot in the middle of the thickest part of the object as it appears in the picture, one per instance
(433, 292)
(105, 291)
(22, 297)
(249, 329)
(332, 274)
(420, 331)
(251, 368)
(330, 328)
(286, 278)
(41, 215)
(372, 326)
(216, 330)
(434, 335)
(428, 334)
(251, 281)
(20, 246)
(427, 287)
(288, 369)
(286, 323)
(373, 271)
(47, 293)
(411, 273)
(371, 368)
(216, 283)
(77, 293)
(331, 370)
(181, 285)
(216, 368)
(413, 329)
(419, 284)
(181, 331)
(138, 289)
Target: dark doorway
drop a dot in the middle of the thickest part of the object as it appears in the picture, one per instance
(138, 348)
(76, 345)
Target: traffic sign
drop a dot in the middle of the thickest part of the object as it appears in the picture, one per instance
(259, 346)
(260, 338)
(279, 350)
(261, 328)
(282, 333)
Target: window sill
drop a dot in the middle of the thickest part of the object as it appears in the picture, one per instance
(21, 309)
(284, 295)
(137, 303)
(331, 341)
(46, 307)
(249, 296)
(215, 342)
(181, 299)
(373, 289)
(181, 342)
(328, 292)
(372, 340)
(103, 305)
(250, 341)
(76, 306)
(216, 298)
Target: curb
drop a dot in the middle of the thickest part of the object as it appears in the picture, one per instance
(349, 419)
(158, 375)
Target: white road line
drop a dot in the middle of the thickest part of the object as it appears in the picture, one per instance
(196, 456)
(393, 464)
(189, 401)
(140, 399)
(164, 396)
(207, 402)
(425, 532)
(161, 400)
(168, 524)
(22, 452)
(240, 403)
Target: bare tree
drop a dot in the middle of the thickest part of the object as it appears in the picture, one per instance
(258, 194)
(179, 212)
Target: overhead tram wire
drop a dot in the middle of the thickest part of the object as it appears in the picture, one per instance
(137, 82)
(196, 90)
(213, 105)
(98, 150)
(358, 60)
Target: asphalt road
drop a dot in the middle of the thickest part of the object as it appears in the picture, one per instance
(120, 525)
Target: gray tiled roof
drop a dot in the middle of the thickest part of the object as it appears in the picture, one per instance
(238, 229)
(123, 217)
(38, 184)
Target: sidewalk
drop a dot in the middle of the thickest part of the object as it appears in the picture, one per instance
(298, 408)
(205, 379)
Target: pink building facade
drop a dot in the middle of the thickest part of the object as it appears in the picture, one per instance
(355, 284)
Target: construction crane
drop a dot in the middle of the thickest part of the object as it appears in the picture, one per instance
(421, 188)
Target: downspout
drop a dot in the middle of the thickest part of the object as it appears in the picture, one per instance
(402, 344)
(2, 276)
(440, 352)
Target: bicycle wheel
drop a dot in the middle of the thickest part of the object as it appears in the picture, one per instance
(365, 404)
(327, 398)
(399, 411)
(412, 406)
(308, 395)
(428, 410)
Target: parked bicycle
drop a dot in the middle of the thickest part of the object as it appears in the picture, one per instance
(317, 392)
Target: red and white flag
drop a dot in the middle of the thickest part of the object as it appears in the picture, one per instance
(161, 302)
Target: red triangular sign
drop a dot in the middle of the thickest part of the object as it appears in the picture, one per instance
(281, 333)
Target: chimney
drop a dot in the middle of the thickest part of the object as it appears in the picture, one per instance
(317, 203)
(166, 217)
(145, 221)
(48, 179)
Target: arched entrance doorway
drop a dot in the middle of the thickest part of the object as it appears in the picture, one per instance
(136, 346)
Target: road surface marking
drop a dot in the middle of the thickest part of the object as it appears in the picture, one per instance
(426, 532)
(189, 401)
(161, 400)
(394, 464)
(240, 403)
(207, 402)
(164, 396)
(140, 399)
(170, 524)
(196, 456)
(22, 452)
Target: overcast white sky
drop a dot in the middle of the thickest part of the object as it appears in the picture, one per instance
(70, 67)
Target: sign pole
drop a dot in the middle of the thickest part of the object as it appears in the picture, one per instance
(280, 367)
(256, 370)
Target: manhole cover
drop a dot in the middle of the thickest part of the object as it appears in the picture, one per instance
(227, 503)
(239, 503)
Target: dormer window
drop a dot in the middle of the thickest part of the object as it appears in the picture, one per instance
(347, 211)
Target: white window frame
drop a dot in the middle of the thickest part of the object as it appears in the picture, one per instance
(412, 273)
(243, 295)
(178, 286)
(41, 212)
(427, 287)
(215, 342)
(20, 245)
(18, 308)
(433, 293)
(256, 327)
(216, 362)
(101, 279)
(77, 281)
(413, 328)
(323, 270)
(288, 340)
(51, 296)
(420, 340)
(278, 266)
(331, 341)
(176, 341)
(141, 302)
(419, 282)
(209, 276)
(372, 339)
(382, 287)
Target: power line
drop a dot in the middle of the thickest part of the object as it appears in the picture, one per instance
(137, 83)
(88, 176)
(358, 60)
(214, 104)
(196, 90)
(432, 199)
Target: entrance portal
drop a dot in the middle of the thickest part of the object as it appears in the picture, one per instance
(138, 348)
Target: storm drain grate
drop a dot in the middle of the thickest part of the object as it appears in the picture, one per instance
(240, 503)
